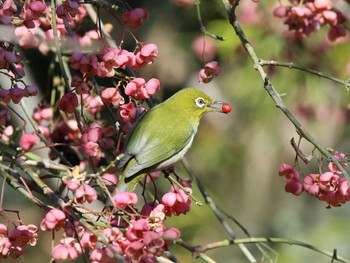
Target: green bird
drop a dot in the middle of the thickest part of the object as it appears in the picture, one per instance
(164, 134)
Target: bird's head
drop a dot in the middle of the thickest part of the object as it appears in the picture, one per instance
(196, 103)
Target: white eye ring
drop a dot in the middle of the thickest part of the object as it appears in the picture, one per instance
(200, 102)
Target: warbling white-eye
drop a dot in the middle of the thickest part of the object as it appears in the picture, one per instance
(164, 134)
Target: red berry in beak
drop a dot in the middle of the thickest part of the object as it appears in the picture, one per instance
(226, 108)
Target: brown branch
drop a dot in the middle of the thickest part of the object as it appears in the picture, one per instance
(230, 9)
(199, 250)
(291, 65)
(305, 158)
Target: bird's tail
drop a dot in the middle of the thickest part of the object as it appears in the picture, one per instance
(129, 184)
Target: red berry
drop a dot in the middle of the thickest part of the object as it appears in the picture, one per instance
(226, 108)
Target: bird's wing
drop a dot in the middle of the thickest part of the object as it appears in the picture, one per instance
(158, 149)
(134, 145)
(150, 145)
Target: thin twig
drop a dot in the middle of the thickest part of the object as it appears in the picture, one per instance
(305, 158)
(174, 181)
(291, 65)
(14, 183)
(47, 191)
(201, 24)
(245, 231)
(94, 17)
(209, 201)
(57, 46)
(40, 134)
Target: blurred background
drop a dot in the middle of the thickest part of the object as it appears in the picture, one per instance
(237, 156)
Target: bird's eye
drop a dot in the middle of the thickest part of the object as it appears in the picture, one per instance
(200, 102)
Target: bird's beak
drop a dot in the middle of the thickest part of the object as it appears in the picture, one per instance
(217, 106)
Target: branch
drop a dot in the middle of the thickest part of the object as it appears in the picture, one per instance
(47, 191)
(209, 201)
(273, 93)
(254, 240)
(202, 27)
(291, 65)
(18, 187)
(57, 46)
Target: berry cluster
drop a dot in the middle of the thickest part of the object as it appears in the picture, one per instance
(145, 236)
(13, 243)
(327, 186)
(306, 17)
